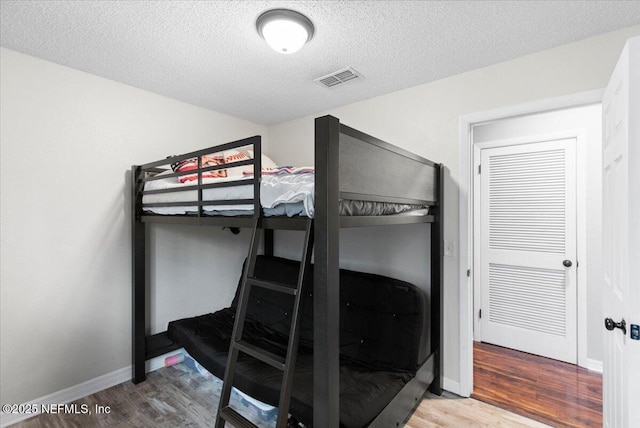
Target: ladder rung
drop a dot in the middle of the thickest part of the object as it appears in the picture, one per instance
(235, 418)
(259, 353)
(275, 286)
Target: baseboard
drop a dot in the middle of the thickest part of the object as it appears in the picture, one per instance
(82, 390)
(451, 385)
(594, 365)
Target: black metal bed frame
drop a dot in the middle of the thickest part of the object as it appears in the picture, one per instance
(345, 161)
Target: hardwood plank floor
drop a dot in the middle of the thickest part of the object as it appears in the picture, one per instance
(171, 397)
(550, 391)
(452, 411)
(179, 397)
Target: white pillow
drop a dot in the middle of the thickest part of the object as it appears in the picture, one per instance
(267, 163)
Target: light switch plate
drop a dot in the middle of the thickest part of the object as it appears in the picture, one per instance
(449, 248)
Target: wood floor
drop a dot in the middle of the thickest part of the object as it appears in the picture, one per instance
(550, 391)
(171, 397)
(179, 397)
(452, 411)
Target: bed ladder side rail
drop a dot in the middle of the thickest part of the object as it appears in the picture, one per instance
(225, 413)
(286, 364)
(294, 335)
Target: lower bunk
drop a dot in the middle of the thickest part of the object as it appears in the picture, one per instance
(383, 371)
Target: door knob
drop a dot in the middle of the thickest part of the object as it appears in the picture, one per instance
(567, 263)
(610, 324)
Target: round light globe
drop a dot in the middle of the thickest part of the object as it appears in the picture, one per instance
(286, 31)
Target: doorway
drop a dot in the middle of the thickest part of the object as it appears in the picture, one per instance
(517, 126)
(537, 241)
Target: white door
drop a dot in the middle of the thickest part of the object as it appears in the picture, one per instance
(528, 253)
(621, 238)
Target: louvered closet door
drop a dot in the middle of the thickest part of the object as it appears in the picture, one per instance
(528, 230)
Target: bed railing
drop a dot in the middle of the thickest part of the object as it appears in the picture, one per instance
(353, 165)
(374, 170)
(151, 171)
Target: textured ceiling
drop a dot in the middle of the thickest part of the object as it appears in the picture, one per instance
(208, 53)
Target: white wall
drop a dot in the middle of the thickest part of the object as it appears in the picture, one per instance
(67, 141)
(425, 118)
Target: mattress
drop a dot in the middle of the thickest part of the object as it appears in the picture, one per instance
(381, 324)
(363, 393)
(280, 195)
(274, 190)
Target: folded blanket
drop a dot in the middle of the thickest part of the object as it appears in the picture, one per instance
(280, 170)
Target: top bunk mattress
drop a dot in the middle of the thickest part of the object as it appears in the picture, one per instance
(284, 191)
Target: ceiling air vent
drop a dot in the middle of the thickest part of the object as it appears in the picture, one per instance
(338, 77)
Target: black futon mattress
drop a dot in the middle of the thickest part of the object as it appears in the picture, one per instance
(381, 321)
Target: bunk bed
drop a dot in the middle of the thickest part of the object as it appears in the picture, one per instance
(356, 177)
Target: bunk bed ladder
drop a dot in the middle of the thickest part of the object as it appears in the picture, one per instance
(286, 364)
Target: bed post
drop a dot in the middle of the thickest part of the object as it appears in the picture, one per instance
(326, 286)
(437, 320)
(138, 280)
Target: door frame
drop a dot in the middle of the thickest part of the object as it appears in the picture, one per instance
(467, 168)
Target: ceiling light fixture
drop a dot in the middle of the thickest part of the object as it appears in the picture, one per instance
(286, 31)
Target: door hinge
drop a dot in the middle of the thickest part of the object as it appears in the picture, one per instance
(479, 169)
(480, 313)
(468, 273)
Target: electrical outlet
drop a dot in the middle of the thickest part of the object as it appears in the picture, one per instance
(449, 248)
(635, 331)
